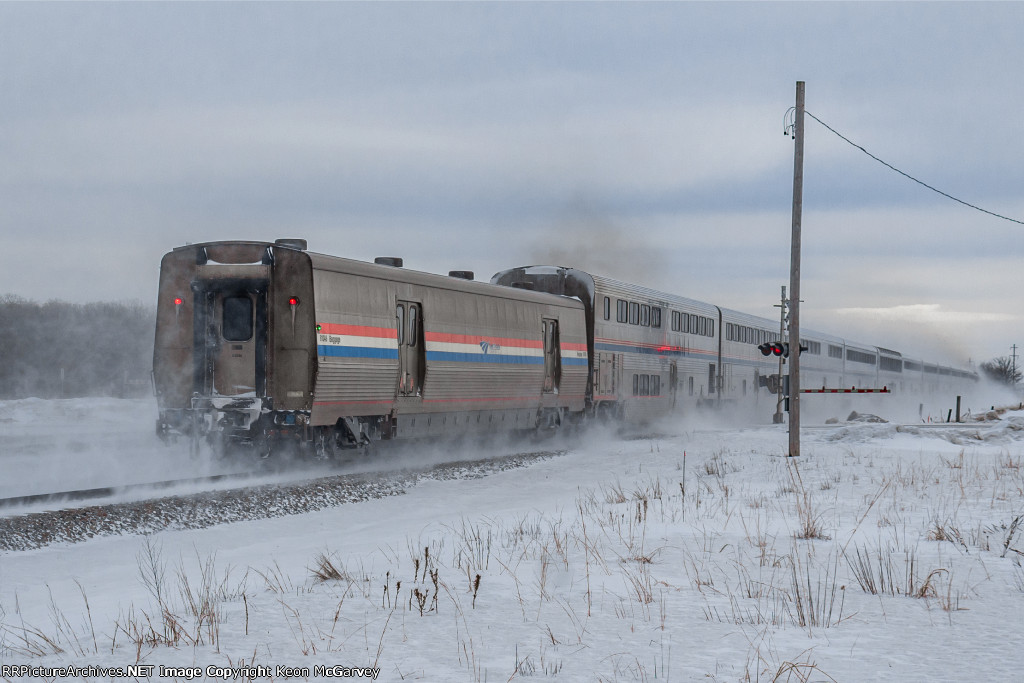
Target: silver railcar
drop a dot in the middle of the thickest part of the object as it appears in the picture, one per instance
(258, 342)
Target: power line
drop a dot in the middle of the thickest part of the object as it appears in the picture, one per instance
(907, 175)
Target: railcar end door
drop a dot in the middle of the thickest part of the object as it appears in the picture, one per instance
(231, 343)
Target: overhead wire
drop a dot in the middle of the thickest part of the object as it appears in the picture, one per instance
(907, 175)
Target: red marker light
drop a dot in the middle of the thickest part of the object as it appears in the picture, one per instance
(293, 301)
(178, 301)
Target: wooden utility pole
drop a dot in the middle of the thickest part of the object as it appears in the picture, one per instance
(1013, 369)
(794, 276)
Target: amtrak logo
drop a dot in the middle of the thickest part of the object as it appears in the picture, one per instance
(488, 347)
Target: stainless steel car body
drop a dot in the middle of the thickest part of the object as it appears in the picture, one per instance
(258, 341)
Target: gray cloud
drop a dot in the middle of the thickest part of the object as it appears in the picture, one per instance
(643, 139)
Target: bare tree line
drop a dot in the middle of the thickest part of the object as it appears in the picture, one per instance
(60, 349)
(1003, 370)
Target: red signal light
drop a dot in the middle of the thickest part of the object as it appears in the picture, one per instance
(294, 301)
(178, 301)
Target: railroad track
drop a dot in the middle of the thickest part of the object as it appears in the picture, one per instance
(111, 491)
(255, 500)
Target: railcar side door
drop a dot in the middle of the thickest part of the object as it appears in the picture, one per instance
(552, 356)
(673, 381)
(411, 349)
(604, 385)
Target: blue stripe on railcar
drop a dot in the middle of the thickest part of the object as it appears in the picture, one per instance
(357, 352)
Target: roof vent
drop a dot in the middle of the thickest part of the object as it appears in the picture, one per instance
(461, 274)
(521, 284)
(291, 243)
(393, 261)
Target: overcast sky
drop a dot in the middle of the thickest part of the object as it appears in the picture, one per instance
(641, 141)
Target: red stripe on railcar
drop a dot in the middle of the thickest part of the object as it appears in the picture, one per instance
(359, 330)
(475, 340)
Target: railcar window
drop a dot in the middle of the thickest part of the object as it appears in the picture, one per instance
(655, 316)
(860, 357)
(891, 364)
(675, 321)
(636, 385)
(703, 326)
(607, 308)
(835, 351)
(634, 313)
(730, 332)
(237, 318)
(711, 327)
(620, 311)
(645, 385)
(413, 322)
(645, 315)
(655, 385)
(400, 316)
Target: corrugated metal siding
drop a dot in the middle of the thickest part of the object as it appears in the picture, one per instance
(467, 328)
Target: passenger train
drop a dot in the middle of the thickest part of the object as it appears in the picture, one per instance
(267, 343)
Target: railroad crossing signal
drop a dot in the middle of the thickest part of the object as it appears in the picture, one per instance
(777, 348)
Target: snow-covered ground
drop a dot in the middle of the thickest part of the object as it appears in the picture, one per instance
(883, 553)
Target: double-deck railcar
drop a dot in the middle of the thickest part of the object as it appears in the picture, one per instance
(648, 349)
(261, 342)
(651, 352)
(743, 364)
